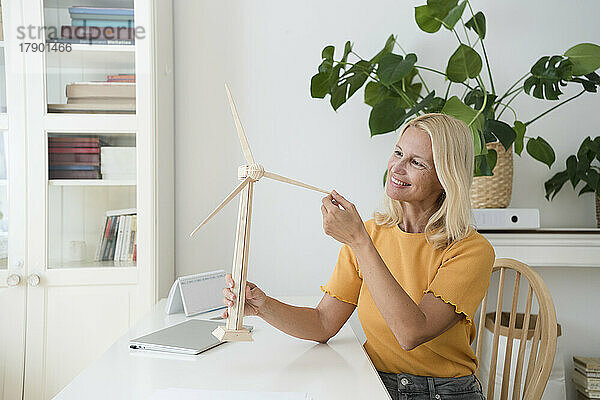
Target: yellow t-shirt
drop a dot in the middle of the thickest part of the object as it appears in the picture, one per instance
(459, 275)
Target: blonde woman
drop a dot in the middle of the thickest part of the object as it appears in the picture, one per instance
(416, 272)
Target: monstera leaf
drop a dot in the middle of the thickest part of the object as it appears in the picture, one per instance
(547, 74)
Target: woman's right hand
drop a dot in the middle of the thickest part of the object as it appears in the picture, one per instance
(255, 298)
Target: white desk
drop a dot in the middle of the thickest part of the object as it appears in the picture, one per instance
(274, 362)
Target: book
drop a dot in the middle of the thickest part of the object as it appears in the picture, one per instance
(129, 101)
(72, 140)
(101, 11)
(126, 238)
(588, 394)
(86, 150)
(589, 374)
(96, 32)
(132, 239)
(59, 174)
(74, 158)
(120, 76)
(77, 167)
(591, 364)
(103, 22)
(100, 89)
(102, 239)
(92, 108)
(584, 381)
(119, 242)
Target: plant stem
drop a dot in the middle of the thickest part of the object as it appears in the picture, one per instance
(514, 84)
(510, 108)
(447, 90)
(439, 72)
(465, 30)
(487, 63)
(509, 101)
(556, 106)
(481, 110)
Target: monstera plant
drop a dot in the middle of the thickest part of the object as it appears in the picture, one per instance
(396, 89)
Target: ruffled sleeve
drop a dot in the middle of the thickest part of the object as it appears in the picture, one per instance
(345, 281)
(464, 275)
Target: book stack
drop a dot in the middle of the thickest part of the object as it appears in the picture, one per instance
(94, 25)
(98, 97)
(125, 78)
(74, 157)
(587, 377)
(118, 240)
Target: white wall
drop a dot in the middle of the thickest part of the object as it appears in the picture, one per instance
(267, 51)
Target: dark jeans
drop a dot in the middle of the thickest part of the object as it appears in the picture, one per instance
(413, 387)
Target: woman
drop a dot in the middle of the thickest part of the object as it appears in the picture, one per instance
(417, 272)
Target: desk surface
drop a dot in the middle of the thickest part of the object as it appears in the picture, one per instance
(274, 362)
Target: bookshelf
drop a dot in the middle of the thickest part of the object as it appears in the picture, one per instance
(57, 223)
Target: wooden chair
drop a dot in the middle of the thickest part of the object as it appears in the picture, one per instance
(543, 346)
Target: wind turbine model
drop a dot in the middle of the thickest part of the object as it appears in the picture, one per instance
(248, 174)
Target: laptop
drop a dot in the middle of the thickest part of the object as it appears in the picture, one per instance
(190, 337)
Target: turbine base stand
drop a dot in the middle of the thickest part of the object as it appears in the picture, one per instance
(232, 335)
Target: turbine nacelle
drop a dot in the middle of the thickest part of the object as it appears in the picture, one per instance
(252, 171)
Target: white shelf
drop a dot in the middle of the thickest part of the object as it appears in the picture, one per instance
(3, 182)
(2, 43)
(91, 264)
(90, 182)
(3, 122)
(93, 123)
(87, 3)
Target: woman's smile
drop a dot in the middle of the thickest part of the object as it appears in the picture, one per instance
(398, 183)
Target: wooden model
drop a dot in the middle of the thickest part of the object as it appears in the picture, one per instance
(248, 174)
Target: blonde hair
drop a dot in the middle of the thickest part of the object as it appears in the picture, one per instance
(452, 147)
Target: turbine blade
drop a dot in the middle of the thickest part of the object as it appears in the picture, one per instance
(240, 130)
(223, 203)
(293, 182)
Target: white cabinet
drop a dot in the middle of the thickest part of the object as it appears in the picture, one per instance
(69, 304)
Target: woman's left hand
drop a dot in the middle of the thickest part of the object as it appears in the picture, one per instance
(342, 222)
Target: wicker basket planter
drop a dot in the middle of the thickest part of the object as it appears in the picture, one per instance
(494, 191)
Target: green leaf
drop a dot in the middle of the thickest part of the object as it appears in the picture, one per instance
(464, 63)
(546, 75)
(347, 50)
(541, 150)
(505, 134)
(481, 166)
(327, 53)
(385, 177)
(592, 178)
(387, 48)
(554, 184)
(520, 129)
(357, 76)
(477, 23)
(376, 92)
(454, 15)
(491, 158)
(586, 189)
(339, 95)
(584, 153)
(386, 116)
(436, 105)
(585, 58)
(475, 99)
(394, 67)
(421, 105)
(319, 85)
(426, 19)
(461, 111)
(572, 170)
(441, 8)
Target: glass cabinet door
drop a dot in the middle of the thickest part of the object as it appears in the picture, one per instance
(92, 216)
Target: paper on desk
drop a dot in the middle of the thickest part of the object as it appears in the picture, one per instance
(199, 394)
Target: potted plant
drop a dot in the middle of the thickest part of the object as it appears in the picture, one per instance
(396, 89)
(582, 167)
